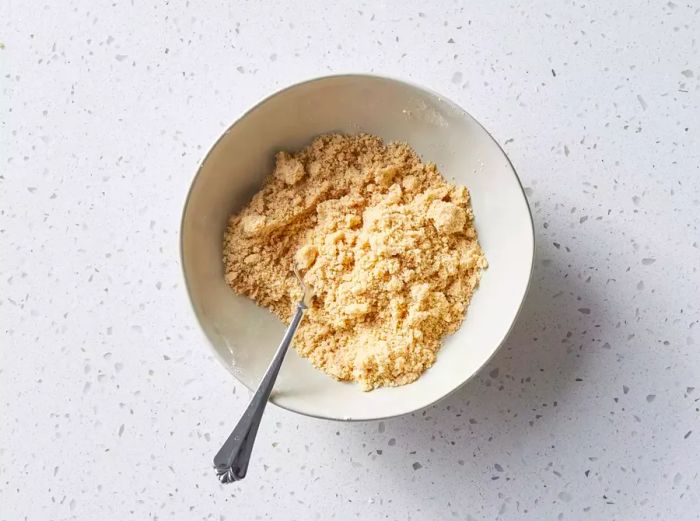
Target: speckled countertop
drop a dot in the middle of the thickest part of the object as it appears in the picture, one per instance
(111, 404)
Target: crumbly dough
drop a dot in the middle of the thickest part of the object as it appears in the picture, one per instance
(387, 245)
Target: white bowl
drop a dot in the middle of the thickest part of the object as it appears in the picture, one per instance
(244, 336)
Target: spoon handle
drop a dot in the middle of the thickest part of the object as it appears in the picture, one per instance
(231, 462)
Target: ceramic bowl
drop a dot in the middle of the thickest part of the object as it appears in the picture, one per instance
(244, 336)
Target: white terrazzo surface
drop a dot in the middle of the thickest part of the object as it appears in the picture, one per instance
(111, 404)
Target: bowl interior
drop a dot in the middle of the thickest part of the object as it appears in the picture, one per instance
(245, 336)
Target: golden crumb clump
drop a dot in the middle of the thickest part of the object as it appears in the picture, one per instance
(386, 244)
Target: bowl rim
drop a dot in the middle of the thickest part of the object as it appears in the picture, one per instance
(390, 79)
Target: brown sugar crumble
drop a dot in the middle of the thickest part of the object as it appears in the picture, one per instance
(386, 244)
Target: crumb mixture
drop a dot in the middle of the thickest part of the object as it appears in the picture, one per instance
(387, 245)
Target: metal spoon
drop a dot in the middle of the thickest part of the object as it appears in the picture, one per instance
(231, 462)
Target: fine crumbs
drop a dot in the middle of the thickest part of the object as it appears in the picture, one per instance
(387, 246)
